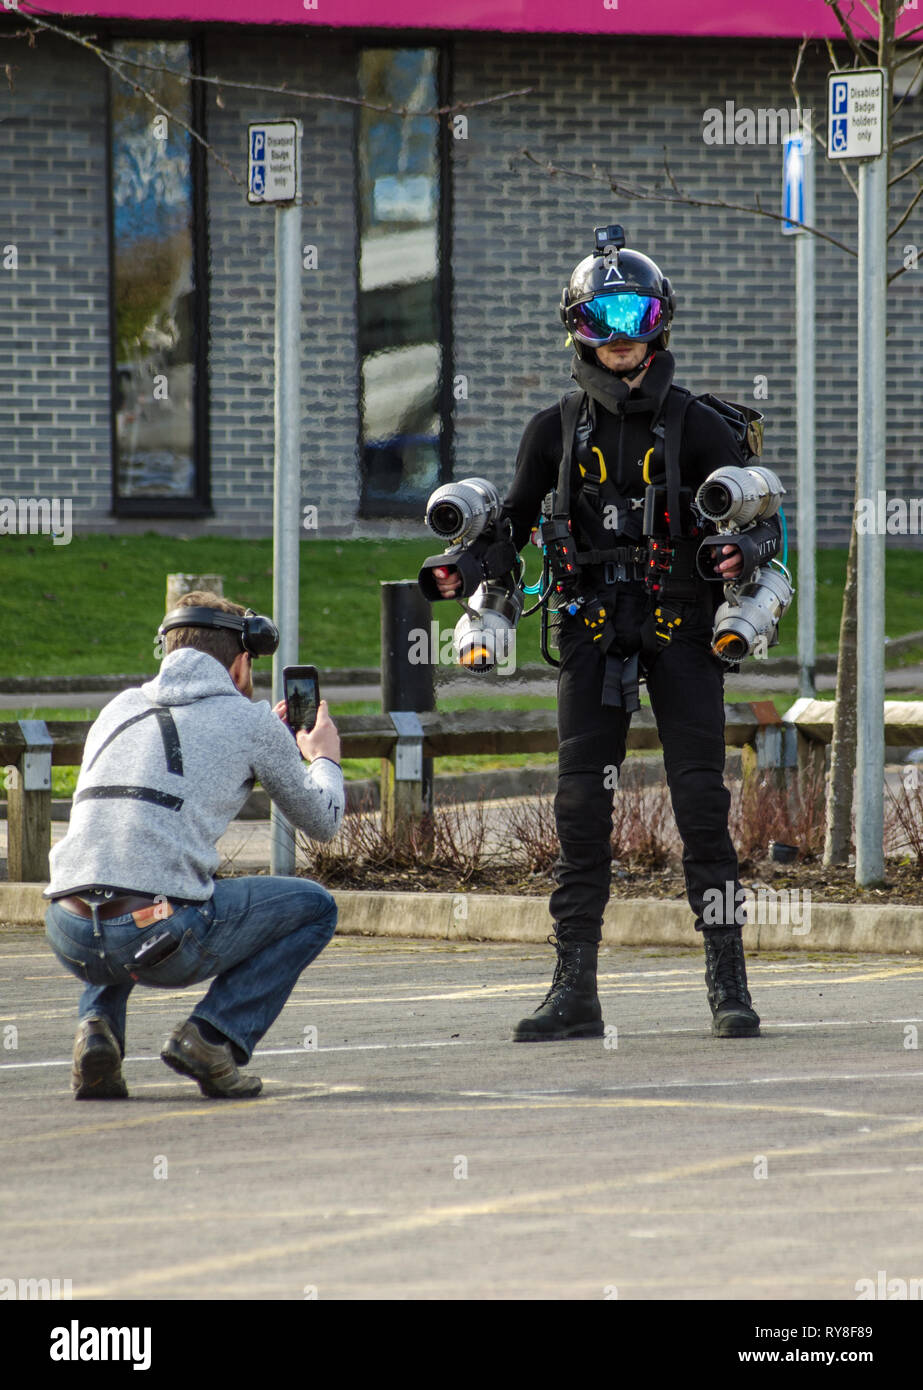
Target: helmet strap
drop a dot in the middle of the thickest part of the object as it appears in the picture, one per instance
(629, 373)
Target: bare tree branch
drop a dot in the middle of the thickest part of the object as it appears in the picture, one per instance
(904, 172)
(132, 82)
(844, 170)
(284, 89)
(906, 140)
(906, 96)
(831, 55)
(872, 13)
(673, 184)
(854, 43)
(908, 57)
(819, 139)
(909, 209)
(801, 52)
(655, 196)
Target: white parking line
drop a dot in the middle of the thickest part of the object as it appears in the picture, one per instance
(682, 1084)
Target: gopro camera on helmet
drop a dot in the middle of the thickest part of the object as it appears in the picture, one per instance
(616, 293)
(609, 236)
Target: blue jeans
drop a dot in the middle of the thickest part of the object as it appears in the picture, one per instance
(256, 935)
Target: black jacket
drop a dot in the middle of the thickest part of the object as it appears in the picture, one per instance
(708, 442)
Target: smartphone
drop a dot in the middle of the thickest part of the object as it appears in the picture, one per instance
(302, 696)
(149, 954)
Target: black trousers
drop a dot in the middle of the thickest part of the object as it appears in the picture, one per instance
(686, 687)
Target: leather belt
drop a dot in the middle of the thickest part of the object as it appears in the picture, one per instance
(142, 907)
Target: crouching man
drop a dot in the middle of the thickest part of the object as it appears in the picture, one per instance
(134, 901)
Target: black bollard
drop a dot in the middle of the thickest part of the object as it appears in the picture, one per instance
(407, 684)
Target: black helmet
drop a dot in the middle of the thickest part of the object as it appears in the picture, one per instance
(615, 293)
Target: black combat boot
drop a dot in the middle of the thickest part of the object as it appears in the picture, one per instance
(726, 981)
(571, 1008)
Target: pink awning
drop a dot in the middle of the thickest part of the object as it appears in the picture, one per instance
(782, 19)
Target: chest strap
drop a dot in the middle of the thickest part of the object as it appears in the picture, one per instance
(616, 554)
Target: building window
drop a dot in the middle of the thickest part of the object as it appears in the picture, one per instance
(402, 326)
(158, 310)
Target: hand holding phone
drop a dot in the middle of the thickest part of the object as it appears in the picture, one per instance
(307, 715)
(323, 741)
(302, 696)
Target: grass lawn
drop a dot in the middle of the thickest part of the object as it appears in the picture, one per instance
(92, 607)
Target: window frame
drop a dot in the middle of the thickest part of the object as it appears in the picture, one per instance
(200, 503)
(391, 510)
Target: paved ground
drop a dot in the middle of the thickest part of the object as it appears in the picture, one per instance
(417, 1153)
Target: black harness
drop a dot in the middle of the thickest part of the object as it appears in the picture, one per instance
(667, 567)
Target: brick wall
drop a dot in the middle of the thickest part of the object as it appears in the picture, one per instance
(520, 231)
(54, 308)
(517, 234)
(243, 285)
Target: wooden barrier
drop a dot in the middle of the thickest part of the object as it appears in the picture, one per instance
(757, 726)
(361, 736)
(810, 722)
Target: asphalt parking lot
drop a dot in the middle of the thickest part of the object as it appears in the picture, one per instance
(411, 1150)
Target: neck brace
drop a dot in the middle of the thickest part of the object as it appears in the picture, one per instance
(613, 394)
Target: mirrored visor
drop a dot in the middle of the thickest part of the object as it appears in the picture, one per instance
(608, 316)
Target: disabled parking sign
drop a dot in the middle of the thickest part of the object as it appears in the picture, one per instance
(273, 162)
(855, 114)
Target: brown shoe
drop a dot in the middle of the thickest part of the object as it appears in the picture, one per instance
(97, 1070)
(212, 1065)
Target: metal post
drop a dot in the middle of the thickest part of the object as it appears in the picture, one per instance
(287, 494)
(807, 511)
(873, 211)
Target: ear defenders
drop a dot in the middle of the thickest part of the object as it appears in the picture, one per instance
(257, 634)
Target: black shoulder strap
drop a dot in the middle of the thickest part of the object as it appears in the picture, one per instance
(668, 432)
(571, 406)
(677, 405)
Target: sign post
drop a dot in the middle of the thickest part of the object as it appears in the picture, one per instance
(857, 129)
(798, 204)
(274, 177)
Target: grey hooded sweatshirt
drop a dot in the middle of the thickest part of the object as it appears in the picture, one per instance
(166, 767)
